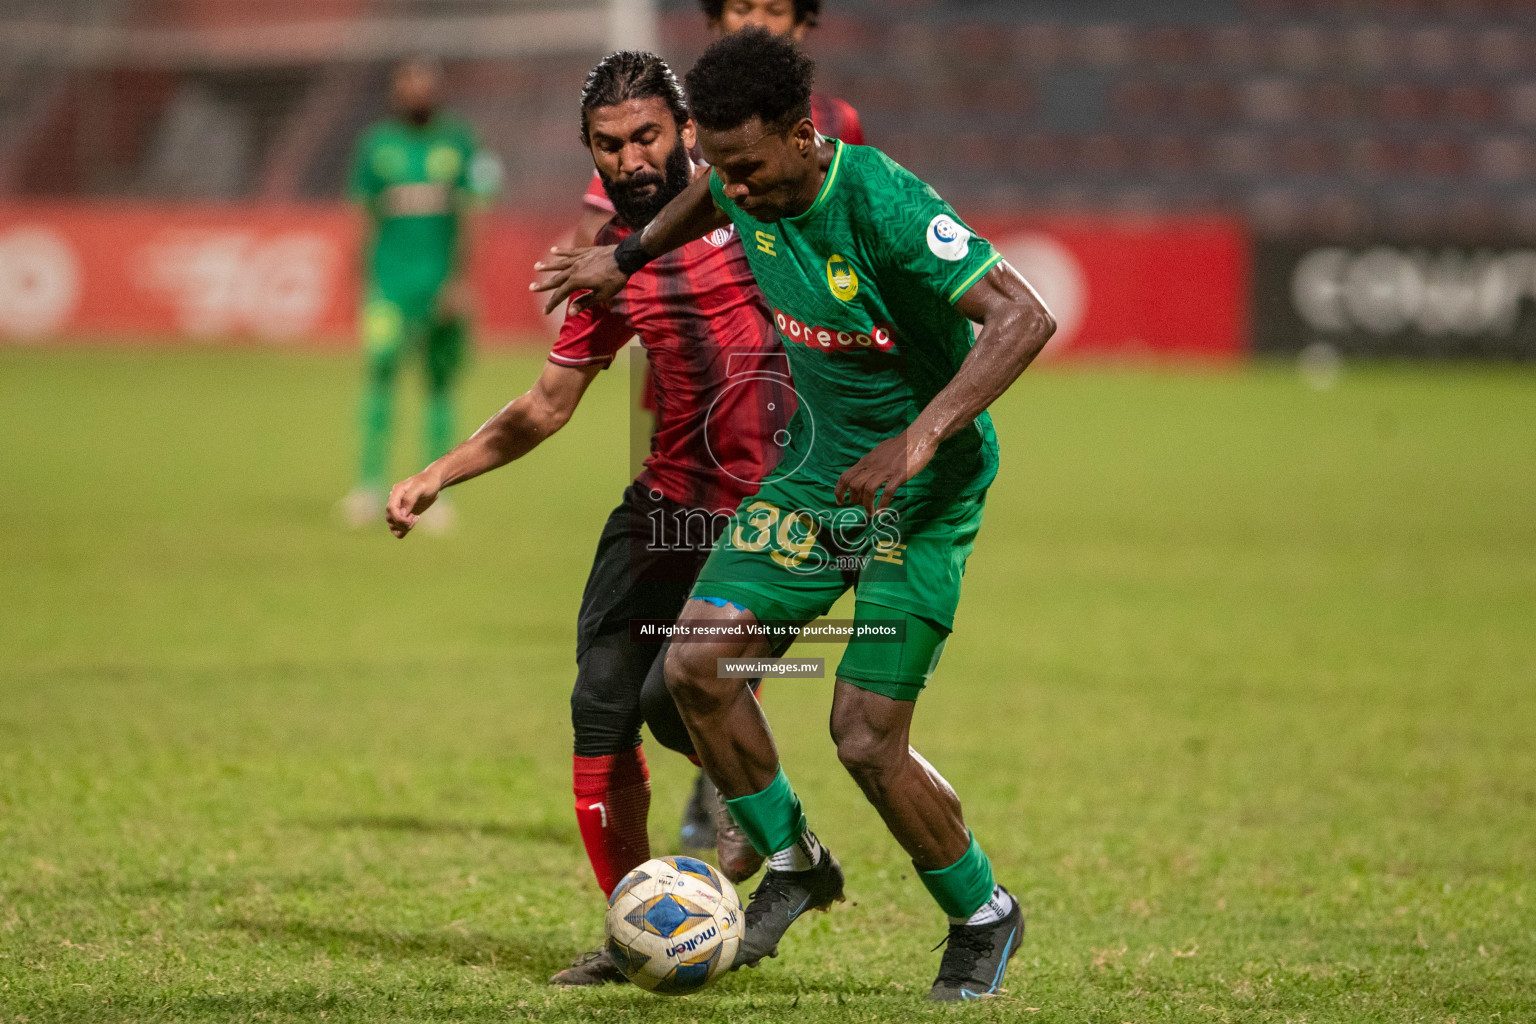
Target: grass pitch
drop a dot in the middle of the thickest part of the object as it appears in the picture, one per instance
(1240, 702)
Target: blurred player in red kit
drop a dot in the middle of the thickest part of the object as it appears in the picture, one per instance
(723, 406)
(835, 119)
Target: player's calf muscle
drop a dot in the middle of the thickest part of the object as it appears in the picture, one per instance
(872, 736)
(872, 747)
(928, 824)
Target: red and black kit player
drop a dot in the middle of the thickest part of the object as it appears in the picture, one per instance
(723, 405)
(836, 119)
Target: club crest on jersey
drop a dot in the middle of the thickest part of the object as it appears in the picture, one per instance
(948, 239)
(842, 279)
(720, 237)
(444, 163)
(827, 339)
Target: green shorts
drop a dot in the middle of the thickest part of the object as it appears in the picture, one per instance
(394, 321)
(791, 552)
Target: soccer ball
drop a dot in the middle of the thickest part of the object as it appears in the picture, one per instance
(674, 924)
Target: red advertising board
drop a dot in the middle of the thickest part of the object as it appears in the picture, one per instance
(1135, 288)
(1165, 287)
(282, 275)
(158, 274)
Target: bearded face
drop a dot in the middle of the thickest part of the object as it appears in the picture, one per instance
(640, 197)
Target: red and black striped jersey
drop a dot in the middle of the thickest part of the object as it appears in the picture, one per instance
(721, 380)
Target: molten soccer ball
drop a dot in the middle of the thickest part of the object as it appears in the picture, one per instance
(674, 924)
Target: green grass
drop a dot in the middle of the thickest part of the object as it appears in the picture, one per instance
(1240, 701)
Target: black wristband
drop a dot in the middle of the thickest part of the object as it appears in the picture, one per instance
(631, 255)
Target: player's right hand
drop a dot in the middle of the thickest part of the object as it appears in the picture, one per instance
(408, 499)
(592, 271)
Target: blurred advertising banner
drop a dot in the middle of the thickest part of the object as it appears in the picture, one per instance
(278, 275)
(150, 274)
(1387, 299)
(1176, 287)
(1159, 287)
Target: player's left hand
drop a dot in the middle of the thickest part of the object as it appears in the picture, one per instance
(592, 271)
(875, 478)
(408, 499)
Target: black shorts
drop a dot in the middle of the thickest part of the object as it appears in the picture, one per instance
(643, 569)
(649, 553)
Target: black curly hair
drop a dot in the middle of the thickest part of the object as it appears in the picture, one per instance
(807, 12)
(751, 73)
(630, 75)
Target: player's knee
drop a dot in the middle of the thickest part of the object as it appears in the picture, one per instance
(602, 727)
(440, 380)
(601, 695)
(683, 671)
(869, 755)
(690, 675)
(586, 707)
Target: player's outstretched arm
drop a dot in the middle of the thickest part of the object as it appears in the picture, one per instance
(601, 272)
(1015, 325)
(513, 432)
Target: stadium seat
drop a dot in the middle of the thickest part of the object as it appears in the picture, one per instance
(1255, 108)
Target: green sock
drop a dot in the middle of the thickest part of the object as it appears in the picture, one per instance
(772, 819)
(378, 397)
(439, 424)
(965, 885)
(446, 344)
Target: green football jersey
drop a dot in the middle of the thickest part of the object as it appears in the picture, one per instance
(863, 287)
(415, 183)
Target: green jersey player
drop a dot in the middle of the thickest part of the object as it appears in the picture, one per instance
(875, 284)
(416, 174)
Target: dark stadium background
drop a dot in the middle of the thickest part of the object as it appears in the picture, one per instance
(148, 132)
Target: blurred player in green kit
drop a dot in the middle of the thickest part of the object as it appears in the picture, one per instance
(419, 175)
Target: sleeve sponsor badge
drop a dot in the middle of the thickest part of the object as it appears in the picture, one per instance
(948, 240)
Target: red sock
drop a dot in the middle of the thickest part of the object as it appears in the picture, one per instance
(613, 798)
